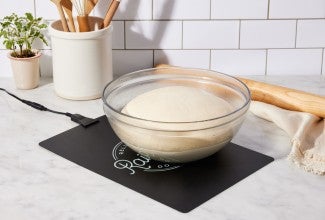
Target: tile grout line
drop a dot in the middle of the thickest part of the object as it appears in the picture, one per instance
(222, 19)
(210, 10)
(268, 9)
(182, 39)
(152, 10)
(35, 14)
(124, 34)
(266, 61)
(210, 59)
(322, 63)
(239, 34)
(206, 49)
(296, 33)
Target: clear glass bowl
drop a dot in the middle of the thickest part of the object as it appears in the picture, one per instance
(170, 141)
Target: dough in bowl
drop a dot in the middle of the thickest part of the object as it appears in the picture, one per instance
(177, 104)
(175, 142)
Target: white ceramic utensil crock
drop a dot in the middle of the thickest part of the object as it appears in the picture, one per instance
(82, 61)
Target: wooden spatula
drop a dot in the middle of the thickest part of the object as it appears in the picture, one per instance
(61, 13)
(90, 6)
(67, 7)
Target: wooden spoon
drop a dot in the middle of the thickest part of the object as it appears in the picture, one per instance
(90, 6)
(61, 13)
(67, 7)
(110, 12)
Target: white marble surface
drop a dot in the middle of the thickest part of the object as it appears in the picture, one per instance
(37, 184)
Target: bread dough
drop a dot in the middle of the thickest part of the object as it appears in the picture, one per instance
(176, 142)
(177, 104)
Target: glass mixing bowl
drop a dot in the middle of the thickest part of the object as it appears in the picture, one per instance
(176, 142)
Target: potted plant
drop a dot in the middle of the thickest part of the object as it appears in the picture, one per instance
(19, 33)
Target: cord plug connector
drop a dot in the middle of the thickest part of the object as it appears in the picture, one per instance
(82, 120)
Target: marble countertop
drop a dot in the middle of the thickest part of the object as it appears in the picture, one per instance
(37, 184)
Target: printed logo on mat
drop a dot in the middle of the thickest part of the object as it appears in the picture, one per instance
(127, 159)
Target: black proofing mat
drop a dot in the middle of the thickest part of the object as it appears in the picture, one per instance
(179, 186)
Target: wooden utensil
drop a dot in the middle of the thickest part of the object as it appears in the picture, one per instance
(83, 22)
(286, 98)
(82, 17)
(67, 7)
(61, 13)
(90, 6)
(110, 12)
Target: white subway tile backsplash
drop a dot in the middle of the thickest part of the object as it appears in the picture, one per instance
(18, 7)
(125, 61)
(184, 58)
(239, 9)
(239, 37)
(311, 33)
(128, 9)
(5, 68)
(297, 9)
(267, 34)
(46, 66)
(118, 35)
(294, 61)
(1, 44)
(239, 62)
(210, 34)
(46, 9)
(153, 34)
(181, 9)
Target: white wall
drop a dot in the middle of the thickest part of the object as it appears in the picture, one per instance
(237, 37)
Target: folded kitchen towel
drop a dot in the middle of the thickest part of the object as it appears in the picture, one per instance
(307, 133)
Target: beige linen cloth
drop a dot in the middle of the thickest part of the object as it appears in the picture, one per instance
(307, 133)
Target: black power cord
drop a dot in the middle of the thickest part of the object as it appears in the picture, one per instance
(80, 119)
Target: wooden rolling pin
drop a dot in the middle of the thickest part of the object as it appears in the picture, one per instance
(283, 97)
(286, 98)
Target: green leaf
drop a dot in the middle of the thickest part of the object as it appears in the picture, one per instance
(21, 31)
(42, 26)
(8, 45)
(28, 45)
(43, 40)
(29, 16)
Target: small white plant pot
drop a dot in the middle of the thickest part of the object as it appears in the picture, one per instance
(82, 61)
(26, 71)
